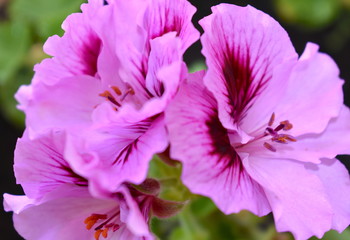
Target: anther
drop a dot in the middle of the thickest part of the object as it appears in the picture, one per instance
(270, 131)
(116, 90)
(97, 234)
(269, 147)
(287, 125)
(272, 119)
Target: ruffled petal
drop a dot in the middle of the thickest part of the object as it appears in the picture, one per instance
(211, 167)
(67, 104)
(76, 53)
(335, 179)
(249, 57)
(60, 215)
(118, 150)
(166, 16)
(314, 94)
(297, 197)
(40, 166)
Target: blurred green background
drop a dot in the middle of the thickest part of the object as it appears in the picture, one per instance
(26, 24)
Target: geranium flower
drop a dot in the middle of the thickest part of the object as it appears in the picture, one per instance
(118, 65)
(261, 131)
(58, 204)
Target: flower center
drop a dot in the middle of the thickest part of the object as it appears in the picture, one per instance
(275, 135)
(105, 224)
(116, 96)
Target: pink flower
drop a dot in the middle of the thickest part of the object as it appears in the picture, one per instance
(261, 129)
(117, 68)
(58, 204)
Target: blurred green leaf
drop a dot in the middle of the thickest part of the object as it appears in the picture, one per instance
(46, 16)
(14, 44)
(334, 235)
(203, 207)
(197, 66)
(311, 14)
(7, 100)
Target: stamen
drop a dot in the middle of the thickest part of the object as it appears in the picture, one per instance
(129, 91)
(97, 234)
(287, 125)
(279, 127)
(269, 147)
(272, 119)
(276, 137)
(90, 221)
(109, 96)
(116, 90)
(104, 227)
(105, 232)
(270, 131)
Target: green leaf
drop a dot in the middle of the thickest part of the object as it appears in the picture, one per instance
(14, 44)
(197, 66)
(311, 14)
(334, 235)
(46, 16)
(7, 100)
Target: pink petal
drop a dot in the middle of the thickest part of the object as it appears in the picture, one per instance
(166, 16)
(249, 57)
(312, 148)
(66, 104)
(77, 51)
(40, 166)
(60, 216)
(211, 166)
(297, 197)
(117, 152)
(314, 94)
(335, 179)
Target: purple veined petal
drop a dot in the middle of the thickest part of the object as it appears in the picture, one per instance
(335, 179)
(66, 104)
(118, 151)
(211, 166)
(162, 17)
(40, 166)
(297, 197)
(249, 56)
(77, 51)
(165, 50)
(66, 212)
(314, 94)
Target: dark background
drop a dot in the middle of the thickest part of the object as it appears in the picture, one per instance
(339, 49)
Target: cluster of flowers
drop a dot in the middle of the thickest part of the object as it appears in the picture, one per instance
(258, 130)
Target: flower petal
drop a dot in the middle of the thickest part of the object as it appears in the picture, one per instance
(60, 216)
(166, 16)
(314, 94)
(67, 104)
(249, 56)
(40, 166)
(211, 167)
(118, 151)
(312, 148)
(297, 197)
(335, 179)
